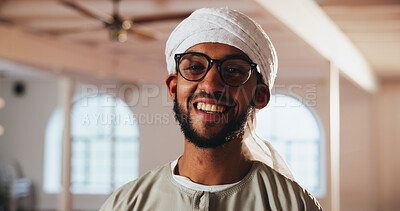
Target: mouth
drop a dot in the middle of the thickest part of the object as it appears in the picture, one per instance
(211, 108)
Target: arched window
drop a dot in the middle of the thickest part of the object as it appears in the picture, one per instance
(105, 147)
(296, 133)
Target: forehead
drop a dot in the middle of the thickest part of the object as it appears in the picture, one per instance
(217, 50)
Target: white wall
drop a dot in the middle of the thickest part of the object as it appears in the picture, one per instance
(25, 119)
(387, 153)
(357, 148)
(370, 144)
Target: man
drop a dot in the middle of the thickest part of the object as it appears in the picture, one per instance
(221, 68)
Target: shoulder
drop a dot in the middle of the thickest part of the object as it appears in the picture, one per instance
(262, 169)
(283, 188)
(127, 195)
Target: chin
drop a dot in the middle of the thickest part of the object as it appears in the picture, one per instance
(209, 134)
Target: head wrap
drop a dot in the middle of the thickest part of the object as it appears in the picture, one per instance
(223, 25)
(226, 26)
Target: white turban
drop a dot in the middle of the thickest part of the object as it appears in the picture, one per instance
(226, 26)
(223, 25)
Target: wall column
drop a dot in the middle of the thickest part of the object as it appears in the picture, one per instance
(334, 107)
(66, 89)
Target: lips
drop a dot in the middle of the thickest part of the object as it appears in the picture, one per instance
(210, 108)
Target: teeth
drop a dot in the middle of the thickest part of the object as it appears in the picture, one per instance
(210, 107)
(213, 108)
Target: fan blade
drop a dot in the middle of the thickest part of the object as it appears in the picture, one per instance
(144, 33)
(6, 21)
(160, 17)
(57, 32)
(116, 7)
(106, 19)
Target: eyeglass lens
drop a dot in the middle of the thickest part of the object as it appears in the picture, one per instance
(234, 72)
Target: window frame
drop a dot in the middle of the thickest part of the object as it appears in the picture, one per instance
(56, 187)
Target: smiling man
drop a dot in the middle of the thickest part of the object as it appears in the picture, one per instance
(221, 68)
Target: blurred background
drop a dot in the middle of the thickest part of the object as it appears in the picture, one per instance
(84, 107)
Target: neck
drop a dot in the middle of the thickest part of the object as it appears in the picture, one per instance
(223, 165)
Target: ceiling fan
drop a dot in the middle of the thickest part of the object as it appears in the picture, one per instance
(118, 27)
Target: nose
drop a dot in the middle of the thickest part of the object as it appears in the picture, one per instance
(212, 82)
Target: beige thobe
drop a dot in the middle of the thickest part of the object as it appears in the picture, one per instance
(261, 189)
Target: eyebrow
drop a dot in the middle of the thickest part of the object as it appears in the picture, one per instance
(237, 56)
(229, 56)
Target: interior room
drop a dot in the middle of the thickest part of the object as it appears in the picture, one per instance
(84, 107)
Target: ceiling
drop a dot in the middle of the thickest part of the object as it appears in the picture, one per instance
(373, 26)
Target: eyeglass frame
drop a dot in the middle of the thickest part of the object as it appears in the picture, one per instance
(210, 65)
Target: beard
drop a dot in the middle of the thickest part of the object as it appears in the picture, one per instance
(231, 130)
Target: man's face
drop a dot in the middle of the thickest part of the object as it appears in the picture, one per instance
(210, 112)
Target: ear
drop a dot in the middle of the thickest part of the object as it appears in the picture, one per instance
(262, 96)
(171, 84)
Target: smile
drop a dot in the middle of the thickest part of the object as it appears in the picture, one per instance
(210, 108)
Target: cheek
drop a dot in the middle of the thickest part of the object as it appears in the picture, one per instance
(243, 96)
(187, 90)
(184, 90)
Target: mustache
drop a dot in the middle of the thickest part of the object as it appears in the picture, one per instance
(221, 97)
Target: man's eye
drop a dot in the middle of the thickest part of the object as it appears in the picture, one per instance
(194, 68)
(234, 71)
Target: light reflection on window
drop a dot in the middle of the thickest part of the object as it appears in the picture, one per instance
(296, 133)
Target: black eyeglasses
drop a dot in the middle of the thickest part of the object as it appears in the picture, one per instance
(194, 66)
